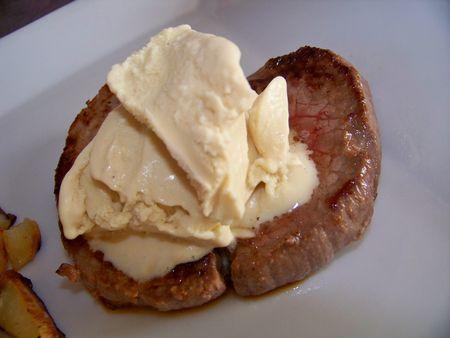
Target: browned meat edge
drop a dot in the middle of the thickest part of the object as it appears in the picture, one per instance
(331, 111)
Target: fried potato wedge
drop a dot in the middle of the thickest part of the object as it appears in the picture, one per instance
(22, 313)
(6, 220)
(3, 255)
(22, 241)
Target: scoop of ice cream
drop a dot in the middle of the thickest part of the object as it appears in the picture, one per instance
(191, 159)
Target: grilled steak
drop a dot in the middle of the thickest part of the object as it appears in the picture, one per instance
(187, 285)
(331, 111)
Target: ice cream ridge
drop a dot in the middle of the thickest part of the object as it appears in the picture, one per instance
(191, 160)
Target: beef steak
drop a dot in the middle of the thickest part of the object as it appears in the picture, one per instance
(187, 285)
(330, 110)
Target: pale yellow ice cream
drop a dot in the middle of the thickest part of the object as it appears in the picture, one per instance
(189, 88)
(190, 160)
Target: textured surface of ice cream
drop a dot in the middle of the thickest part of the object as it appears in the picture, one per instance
(193, 157)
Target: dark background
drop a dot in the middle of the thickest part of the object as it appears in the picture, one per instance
(15, 14)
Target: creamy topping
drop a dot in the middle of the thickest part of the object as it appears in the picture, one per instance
(125, 178)
(191, 159)
(190, 89)
(140, 256)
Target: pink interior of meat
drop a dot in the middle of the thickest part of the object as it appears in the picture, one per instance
(319, 114)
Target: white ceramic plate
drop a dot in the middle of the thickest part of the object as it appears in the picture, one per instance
(395, 283)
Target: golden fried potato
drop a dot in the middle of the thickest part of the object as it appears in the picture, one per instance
(22, 313)
(22, 241)
(3, 255)
(6, 220)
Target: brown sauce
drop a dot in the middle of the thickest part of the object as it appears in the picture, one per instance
(275, 292)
